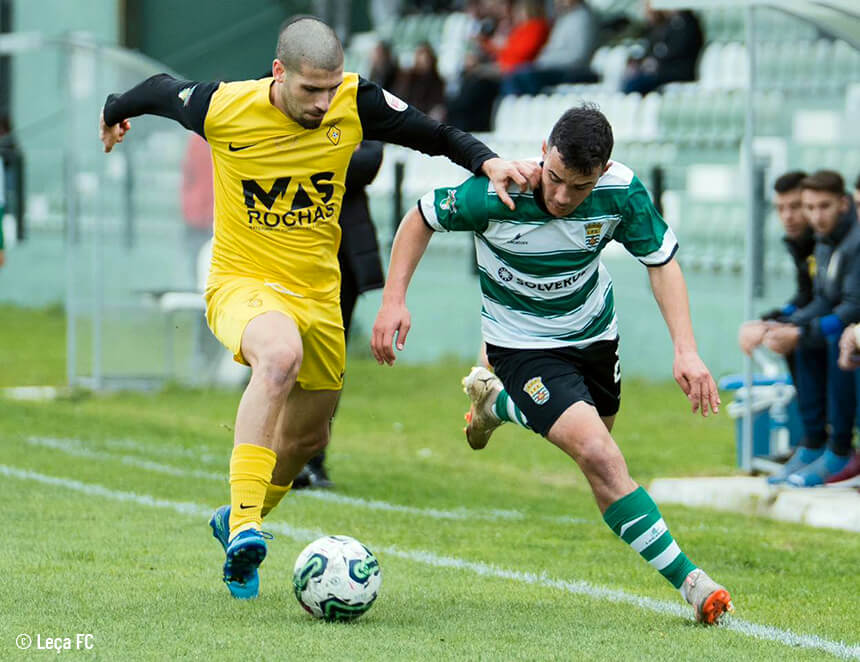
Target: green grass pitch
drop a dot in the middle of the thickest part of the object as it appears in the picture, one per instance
(493, 555)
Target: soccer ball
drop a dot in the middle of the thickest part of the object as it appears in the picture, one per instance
(336, 578)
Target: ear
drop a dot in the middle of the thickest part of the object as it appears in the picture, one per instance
(543, 149)
(278, 70)
(606, 167)
(845, 204)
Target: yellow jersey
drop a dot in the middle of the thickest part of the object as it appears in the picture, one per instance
(279, 187)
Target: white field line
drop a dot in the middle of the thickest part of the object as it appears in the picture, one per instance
(78, 448)
(576, 587)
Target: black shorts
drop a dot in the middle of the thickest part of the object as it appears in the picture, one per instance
(545, 382)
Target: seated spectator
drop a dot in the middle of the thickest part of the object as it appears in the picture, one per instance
(849, 359)
(857, 197)
(825, 393)
(799, 241)
(422, 86)
(565, 57)
(472, 108)
(383, 66)
(672, 46)
(525, 40)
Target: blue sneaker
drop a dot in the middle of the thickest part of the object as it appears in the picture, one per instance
(817, 473)
(245, 553)
(802, 457)
(220, 523)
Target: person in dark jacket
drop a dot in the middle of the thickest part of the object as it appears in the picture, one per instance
(672, 46)
(799, 241)
(360, 265)
(825, 393)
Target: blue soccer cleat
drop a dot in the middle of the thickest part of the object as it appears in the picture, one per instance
(245, 553)
(220, 523)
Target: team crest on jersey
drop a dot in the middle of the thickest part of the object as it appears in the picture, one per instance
(592, 234)
(333, 134)
(537, 391)
(450, 201)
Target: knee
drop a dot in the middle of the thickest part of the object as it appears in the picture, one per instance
(278, 368)
(599, 455)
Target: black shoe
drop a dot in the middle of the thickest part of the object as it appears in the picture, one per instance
(303, 480)
(312, 477)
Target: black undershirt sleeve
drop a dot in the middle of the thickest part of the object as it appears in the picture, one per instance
(412, 128)
(166, 96)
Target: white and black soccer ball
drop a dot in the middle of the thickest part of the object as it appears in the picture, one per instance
(336, 578)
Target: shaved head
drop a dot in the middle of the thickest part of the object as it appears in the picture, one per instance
(308, 40)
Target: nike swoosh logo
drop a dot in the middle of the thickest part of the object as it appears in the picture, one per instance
(243, 506)
(238, 149)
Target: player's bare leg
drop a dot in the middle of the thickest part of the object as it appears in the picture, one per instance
(272, 346)
(629, 510)
(304, 429)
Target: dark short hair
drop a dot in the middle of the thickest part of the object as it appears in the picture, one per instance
(307, 38)
(583, 138)
(789, 181)
(828, 181)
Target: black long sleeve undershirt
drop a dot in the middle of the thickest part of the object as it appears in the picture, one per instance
(412, 128)
(187, 102)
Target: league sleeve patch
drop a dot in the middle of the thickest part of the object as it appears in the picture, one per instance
(185, 94)
(394, 102)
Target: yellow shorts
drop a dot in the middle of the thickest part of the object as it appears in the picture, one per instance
(232, 303)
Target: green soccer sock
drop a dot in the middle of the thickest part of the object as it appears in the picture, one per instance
(637, 520)
(507, 410)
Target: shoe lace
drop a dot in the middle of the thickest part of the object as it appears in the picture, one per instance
(267, 536)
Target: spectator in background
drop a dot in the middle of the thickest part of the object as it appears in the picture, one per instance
(799, 241)
(422, 86)
(813, 331)
(472, 108)
(857, 197)
(383, 66)
(2, 212)
(566, 55)
(198, 200)
(672, 46)
(360, 266)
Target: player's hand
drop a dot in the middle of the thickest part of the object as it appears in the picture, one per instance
(695, 380)
(849, 358)
(751, 335)
(782, 338)
(391, 320)
(502, 173)
(111, 135)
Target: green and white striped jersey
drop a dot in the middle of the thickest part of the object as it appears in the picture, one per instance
(542, 281)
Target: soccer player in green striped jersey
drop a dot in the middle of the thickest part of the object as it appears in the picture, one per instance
(548, 320)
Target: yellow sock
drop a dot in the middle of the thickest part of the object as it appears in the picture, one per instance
(250, 474)
(274, 494)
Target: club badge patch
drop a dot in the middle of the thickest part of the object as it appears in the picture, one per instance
(592, 234)
(333, 134)
(537, 391)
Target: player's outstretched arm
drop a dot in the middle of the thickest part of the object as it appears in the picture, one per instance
(670, 291)
(393, 318)
(185, 101)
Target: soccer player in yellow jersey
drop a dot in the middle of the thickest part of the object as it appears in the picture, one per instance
(280, 149)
